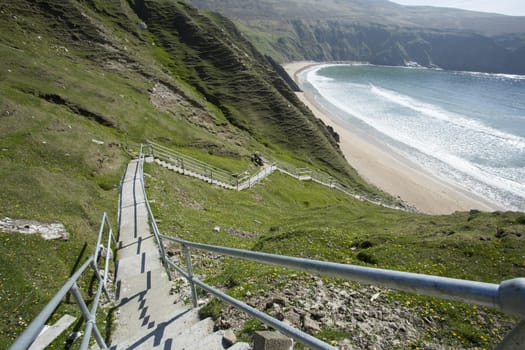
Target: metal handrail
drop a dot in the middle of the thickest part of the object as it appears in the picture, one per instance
(30, 334)
(302, 174)
(195, 164)
(153, 222)
(187, 165)
(211, 172)
(256, 178)
(324, 179)
(302, 337)
(508, 296)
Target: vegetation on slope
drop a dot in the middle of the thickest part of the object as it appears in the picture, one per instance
(80, 78)
(285, 216)
(380, 32)
(211, 55)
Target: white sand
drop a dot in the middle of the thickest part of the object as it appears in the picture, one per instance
(383, 167)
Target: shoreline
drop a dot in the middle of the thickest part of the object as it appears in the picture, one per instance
(383, 167)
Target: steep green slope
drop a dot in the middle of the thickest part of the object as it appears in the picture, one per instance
(284, 216)
(210, 54)
(369, 11)
(80, 78)
(380, 32)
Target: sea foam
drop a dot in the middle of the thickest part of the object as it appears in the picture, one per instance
(453, 143)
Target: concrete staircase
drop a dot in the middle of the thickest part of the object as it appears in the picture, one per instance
(256, 178)
(173, 160)
(150, 315)
(186, 172)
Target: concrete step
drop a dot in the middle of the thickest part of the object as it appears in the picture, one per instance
(50, 333)
(213, 341)
(240, 346)
(132, 262)
(163, 333)
(143, 249)
(154, 283)
(189, 338)
(194, 174)
(138, 319)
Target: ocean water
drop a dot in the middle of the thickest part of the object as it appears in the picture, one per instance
(465, 128)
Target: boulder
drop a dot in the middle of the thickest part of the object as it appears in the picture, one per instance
(310, 325)
(48, 231)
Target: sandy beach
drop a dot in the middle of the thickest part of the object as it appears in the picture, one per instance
(384, 168)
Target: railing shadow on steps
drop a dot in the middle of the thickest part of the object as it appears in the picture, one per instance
(31, 333)
(508, 296)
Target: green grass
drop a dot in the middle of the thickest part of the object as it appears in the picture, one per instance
(212, 309)
(51, 169)
(37, 278)
(331, 335)
(285, 216)
(67, 79)
(60, 89)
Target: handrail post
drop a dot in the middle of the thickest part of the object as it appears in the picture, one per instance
(100, 279)
(96, 256)
(187, 253)
(106, 263)
(153, 223)
(91, 326)
(29, 335)
(163, 255)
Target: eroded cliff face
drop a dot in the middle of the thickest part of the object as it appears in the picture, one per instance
(386, 46)
(223, 66)
(384, 34)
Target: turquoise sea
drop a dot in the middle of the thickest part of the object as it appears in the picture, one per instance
(465, 128)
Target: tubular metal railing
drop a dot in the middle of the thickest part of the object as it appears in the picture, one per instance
(153, 222)
(321, 178)
(190, 164)
(30, 334)
(508, 296)
(216, 175)
(241, 182)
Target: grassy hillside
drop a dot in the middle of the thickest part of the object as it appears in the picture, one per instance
(284, 216)
(78, 79)
(380, 32)
(369, 11)
(211, 55)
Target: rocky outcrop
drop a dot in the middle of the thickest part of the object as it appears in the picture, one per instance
(381, 32)
(312, 304)
(48, 231)
(384, 45)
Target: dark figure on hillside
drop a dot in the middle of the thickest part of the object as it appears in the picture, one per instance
(257, 159)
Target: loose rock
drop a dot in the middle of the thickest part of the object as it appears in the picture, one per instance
(48, 231)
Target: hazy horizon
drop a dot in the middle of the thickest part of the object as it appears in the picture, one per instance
(505, 7)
